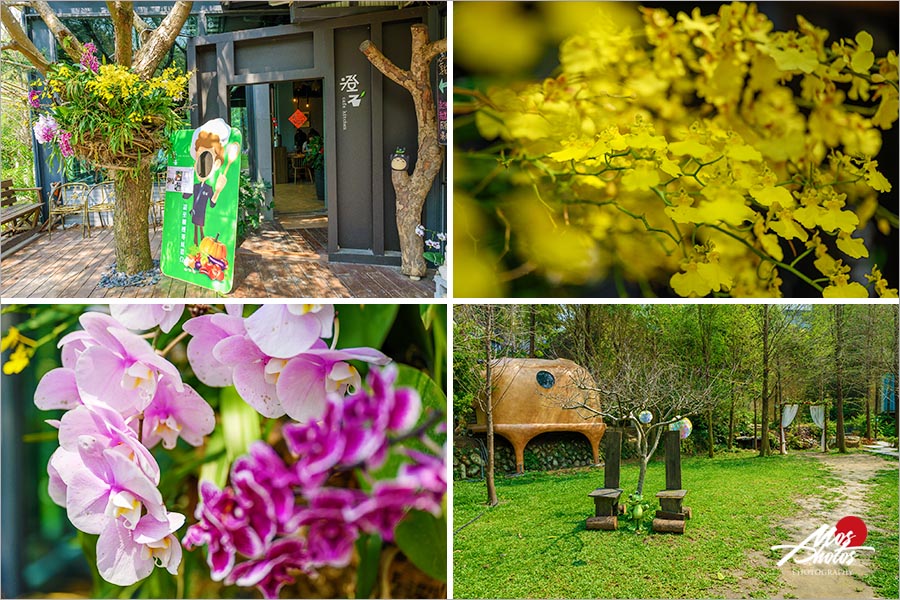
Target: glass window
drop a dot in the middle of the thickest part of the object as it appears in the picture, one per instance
(545, 379)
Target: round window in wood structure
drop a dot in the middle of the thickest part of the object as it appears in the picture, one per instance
(545, 379)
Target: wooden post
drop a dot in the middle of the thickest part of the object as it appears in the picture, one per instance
(613, 459)
(673, 460)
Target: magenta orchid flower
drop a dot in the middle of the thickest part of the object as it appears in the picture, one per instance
(330, 535)
(142, 317)
(277, 568)
(286, 330)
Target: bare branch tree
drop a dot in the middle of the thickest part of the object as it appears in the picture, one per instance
(660, 385)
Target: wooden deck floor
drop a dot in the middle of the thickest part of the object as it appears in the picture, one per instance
(275, 264)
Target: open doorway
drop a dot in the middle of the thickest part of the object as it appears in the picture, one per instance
(278, 121)
(297, 166)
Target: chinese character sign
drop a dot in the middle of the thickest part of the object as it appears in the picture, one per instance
(350, 96)
(200, 219)
(442, 98)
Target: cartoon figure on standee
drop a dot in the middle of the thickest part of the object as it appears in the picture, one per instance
(209, 153)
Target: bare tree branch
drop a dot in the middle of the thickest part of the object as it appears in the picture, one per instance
(67, 40)
(20, 41)
(155, 47)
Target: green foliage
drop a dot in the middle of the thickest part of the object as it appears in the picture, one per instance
(368, 547)
(883, 532)
(315, 152)
(535, 545)
(251, 206)
(423, 539)
(365, 325)
(115, 117)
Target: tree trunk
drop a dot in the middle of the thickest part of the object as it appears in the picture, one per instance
(532, 310)
(868, 415)
(755, 434)
(409, 213)
(645, 458)
(489, 404)
(779, 411)
(712, 448)
(411, 190)
(20, 40)
(731, 420)
(839, 371)
(130, 222)
(764, 409)
(642, 474)
(894, 370)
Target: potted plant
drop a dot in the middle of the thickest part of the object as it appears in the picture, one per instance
(252, 203)
(436, 242)
(315, 160)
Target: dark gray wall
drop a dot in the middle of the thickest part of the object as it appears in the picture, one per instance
(353, 139)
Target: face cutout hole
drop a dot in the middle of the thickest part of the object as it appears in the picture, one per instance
(545, 379)
(205, 163)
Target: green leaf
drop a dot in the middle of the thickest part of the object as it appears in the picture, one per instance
(429, 391)
(434, 318)
(216, 471)
(239, 426)
(369, 549)
(423, 539)
(240, 422)
(366, 325)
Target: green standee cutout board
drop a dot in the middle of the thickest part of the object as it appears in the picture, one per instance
(200, 217)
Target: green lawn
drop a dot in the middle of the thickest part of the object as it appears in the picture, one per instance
(883, 531)
(534, 544)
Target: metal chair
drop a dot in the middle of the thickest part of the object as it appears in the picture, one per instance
(158, 199)
(100, 199)
(68, 199)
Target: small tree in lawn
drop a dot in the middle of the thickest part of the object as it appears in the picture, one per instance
(478, 360)
(638, 384)
(115, 116)
(411, 190)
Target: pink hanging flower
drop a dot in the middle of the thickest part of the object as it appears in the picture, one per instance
(34, 99)
(65, 144)
(45, 129)
(88, 60)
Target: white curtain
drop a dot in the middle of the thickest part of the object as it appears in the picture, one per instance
(788, 414)
(818, 416)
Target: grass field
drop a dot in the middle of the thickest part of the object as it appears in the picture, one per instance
(534, 544)
(883, 532)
